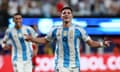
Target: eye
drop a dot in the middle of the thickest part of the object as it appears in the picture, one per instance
(69, 12)
(64, 12)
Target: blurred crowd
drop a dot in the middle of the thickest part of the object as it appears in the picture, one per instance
(49, 8)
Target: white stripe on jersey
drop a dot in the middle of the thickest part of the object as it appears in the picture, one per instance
(71, 46)
(15, 38)
(60, 48)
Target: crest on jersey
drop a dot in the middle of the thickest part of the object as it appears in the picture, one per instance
(64, 33)
(59, 32)
(71, 34)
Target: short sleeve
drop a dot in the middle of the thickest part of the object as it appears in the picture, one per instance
(51, 34)
(6, 36)
(84, 34)
(32, 32)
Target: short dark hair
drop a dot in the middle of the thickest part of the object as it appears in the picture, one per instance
(66, 8)
(17, 14)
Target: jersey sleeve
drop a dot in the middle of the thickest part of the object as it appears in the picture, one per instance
(32, 32)
(6, 36)
(51, 34)
(84, 34)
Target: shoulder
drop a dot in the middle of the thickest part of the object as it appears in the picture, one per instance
(77, 27)
(9, 29)
(56, 27)
(27, 27)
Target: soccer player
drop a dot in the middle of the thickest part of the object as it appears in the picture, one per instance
(21, 49)
(67, 36)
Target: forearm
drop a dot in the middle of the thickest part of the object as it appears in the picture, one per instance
(39, 40)
(95, 44)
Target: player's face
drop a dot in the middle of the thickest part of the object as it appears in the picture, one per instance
(66, 15)
(18, 20)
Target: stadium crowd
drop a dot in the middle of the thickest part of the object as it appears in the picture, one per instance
(49, 8)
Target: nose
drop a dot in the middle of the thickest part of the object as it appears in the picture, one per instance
(66, 13)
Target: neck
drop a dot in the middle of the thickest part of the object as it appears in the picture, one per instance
(66, 24)
(18, 27)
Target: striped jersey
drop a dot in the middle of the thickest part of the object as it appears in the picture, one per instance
(67, 52)
(21, 49)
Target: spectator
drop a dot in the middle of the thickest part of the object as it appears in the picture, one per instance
(46, 8)
(13, 5)
(33, 8)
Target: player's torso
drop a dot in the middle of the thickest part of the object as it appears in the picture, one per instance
(21, 48)
(68, 44)
(17, 36)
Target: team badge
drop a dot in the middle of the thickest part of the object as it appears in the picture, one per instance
(71, 34)
(64, 33)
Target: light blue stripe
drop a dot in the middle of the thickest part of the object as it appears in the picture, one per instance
(28, 31)
(22, 42)
(57, 47)
(76, 35)
(54, 33)
(66, 48)
(15, 47)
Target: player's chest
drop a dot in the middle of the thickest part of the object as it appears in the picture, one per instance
(18, 34)
(67, 34)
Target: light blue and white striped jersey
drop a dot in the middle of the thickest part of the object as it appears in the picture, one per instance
(67, 52)
(21, 49)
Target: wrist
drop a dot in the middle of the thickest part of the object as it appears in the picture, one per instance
(102, 45)
(31, 39)
(3, 45)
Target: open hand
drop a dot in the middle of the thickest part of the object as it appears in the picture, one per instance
(107, 43)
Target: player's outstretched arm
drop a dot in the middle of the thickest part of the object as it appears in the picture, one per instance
(96, 44)
(40, 40)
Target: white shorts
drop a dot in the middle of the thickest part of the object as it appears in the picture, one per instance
(63, 69)
(22, 66)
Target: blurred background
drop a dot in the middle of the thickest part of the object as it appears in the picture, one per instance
(100, 18)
